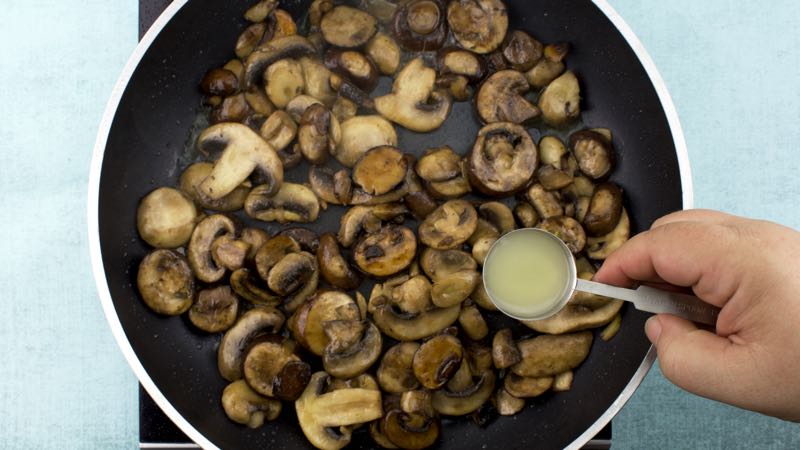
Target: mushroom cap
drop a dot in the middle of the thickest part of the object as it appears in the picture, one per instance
(437, 360)
(602, 247)
(165, 282)
(466, 401)
(503, 159)
(293, 46)
(354, 359)
(380, 170)
(478, 25)
(347, 27)
(193, 175)
(235, 341)
(243, 405)
(361, 133)
(166, 218)
(307, 323)
(500, 99)
(199, 248)
(605, 209)
(449, 226)
(215, 310)
(386, 252)
(420, 25)
(561, 99)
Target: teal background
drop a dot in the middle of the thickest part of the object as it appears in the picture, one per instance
(732, 68)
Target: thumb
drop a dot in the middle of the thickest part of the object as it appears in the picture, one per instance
(694, 359)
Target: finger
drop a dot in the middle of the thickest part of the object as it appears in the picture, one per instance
(689, 254)
(696, 360)
(694, 215)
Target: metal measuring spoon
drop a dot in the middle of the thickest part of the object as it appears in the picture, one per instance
(644, 298)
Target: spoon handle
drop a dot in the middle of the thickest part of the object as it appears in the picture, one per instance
(653, 300)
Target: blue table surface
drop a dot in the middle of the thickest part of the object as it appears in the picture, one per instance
(731, 67)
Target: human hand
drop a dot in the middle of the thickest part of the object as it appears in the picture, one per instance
(749, 268)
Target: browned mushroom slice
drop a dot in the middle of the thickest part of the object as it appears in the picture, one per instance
(467, 400)
(165, 282)
(199, 249)
(229, 252)
(439, 264)
(437, 360)
(332, 188)
(293, 46)
(409, 430)
(567, 229)
(472, 322)
(284, 81)
(247, 285)
(360, 219)
(307, 322)
(292, 203)
(244, 154)
(279, 131)
(413, 296)
(418, 200)
(380, 170)
(546, 355)
(383, 50)
(361, 197)
(347, 27)
(583, 311)
(220, 82)
(320, 412)
(526, 387)
(500, 99)
(549, 67)
(235, 341)
(249, 39)
(560, 101)
(503, 159)
(478, 25)
(603, 246)
(481, 298)
(460, 62)
(319, 134)
(395, 373)
(317, 82)
(552, 178)
(291, 273)
(449, 226)
(419, 25)
(408, 327)
(166, 218)
(298, 106)
(456, 85)
(452, 289)
(506, 404)
(594, 153)
(413, 102)
(308, 240)
(215, 309)
(272, 251)
(353, 359)
(232, 109)
(354, 66)
(259, 11)
(265, 369)
(504, 351)
(260, 105)
(499, 215)
(439, 164)
(362, 133)
(243, 405)
(334, 267)
(255, 238)
(545, 202)
(521, 50)
(605, 209)
(199, 171)
(386, 252)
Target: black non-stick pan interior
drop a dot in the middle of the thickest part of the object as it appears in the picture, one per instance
(147, 148)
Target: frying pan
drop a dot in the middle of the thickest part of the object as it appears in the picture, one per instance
(145, 141)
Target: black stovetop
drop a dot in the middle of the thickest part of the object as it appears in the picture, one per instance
(156, 430)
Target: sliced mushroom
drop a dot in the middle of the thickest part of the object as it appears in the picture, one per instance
(504, 351)
(473, 323)
(460, 62)
(361, 197)
(452, 188)
(266, 54)
(354, 359)
(255, 238)
(462, 378)
(353, 65)
(521, 50)
(594, 153)
(273, 370)
(279, 131)
(235, 341)
(552, 178)
(243, 405)
(259, 11)
(413, 102)
(199, 171)
(452, 289)
(413, 296)
(347, 27)
(603, 246)
(383, 50)
(563, 381)
(456, 85)
(612, 328)
(481, 298)
(417, 402)
(244, 153)
(544, 72)
(503, 159)
(292, 203)
(395, 372)
(249, 39)
(546, 355)
(526, 387)
(500, 99)
(199, 249)
(215, 309)
(232, 109)
(377, 435)
(567, 229)
(284, 81)
(545, 202)
(272, 251)
(506, 404)
(316, 78)
(386, 252)
(499, 215)
(409, 327)
(526, 215)
(436, 360)
(308, 240)
(220, 82)
(478, 25)
(165, 282)
(439, 264)
(419, 25)
(319, 412)
(332, 188)
(449, 226)
(359, 219)
(466, 401)
(319, 134)
(344, 109)
(166, 218)
(409, 430)
(362, 133)
(605, 209)
(298, 106)
(439, 165)
(307, 322)
(380, 170)
(247, 285)
(229, 252)
(560, 101)
(418, 200)
(318, 9)
(334, 267)
(291, 273)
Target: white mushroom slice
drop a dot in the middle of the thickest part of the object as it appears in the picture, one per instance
(478, 25)
(347, 27)
(278, 130)
(361, 133)
(284, 81)
(166, 217)
(560, 101)
(413, 102)
(385, 52)
(292, 203)
(317, 81)
(244, 153)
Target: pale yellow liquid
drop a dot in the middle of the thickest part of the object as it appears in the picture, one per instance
(526, 273)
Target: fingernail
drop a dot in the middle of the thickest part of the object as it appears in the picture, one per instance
(652, 328)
